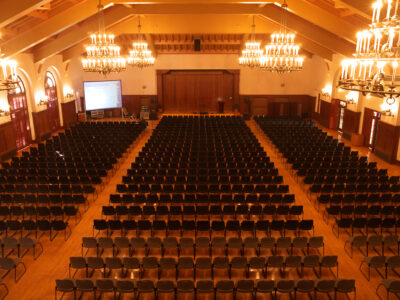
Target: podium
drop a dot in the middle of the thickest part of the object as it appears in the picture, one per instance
(221, 107)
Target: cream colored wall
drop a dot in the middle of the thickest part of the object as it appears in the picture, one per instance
(252, 81)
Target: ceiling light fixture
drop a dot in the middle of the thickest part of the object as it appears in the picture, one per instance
(9, 80)
(282, 54)
(376, 60)
(140, 56)
(103, 55)
(252, 53)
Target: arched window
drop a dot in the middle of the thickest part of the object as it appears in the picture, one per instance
(20, 115)
(50, 89)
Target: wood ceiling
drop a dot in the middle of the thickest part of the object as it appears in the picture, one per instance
(49, 27)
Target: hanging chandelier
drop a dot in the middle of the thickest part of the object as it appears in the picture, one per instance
(140, 56)
(252, 53)
(373, 70)
(282, 54)
(103, 55)
(9, 80)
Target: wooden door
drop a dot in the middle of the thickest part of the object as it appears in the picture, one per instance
(370, 127)
(20, 116)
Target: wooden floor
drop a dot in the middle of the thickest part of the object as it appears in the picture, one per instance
(39, 280)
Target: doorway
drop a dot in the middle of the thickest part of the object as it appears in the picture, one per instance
(341, 112)
(370, 127)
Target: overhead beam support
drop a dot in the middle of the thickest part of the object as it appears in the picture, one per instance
(313, 32)
(150, 42)
(15, 9)
(51, 26)
(184, 24)
(355, 7)
(323, 19)
(112, 16)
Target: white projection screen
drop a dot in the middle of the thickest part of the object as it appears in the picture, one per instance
(102, 94)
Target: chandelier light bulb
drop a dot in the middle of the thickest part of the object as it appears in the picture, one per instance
(140, 56)
(103, 55)
(374, 66)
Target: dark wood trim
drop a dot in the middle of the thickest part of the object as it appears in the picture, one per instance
(68, 113)
(8, 146)
(387, 140)
(325, 113)
(351, 121)
(41, 124)
(271, 104)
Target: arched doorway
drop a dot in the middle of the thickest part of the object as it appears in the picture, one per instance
(50, 89)
(20, 115)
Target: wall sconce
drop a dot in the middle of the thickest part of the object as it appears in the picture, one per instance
(386, 107)
(352, 97)
(43, 102)
(68, 93)
(41, 99)
(4, 113)
(69, 97)
(326, 91)
(4, 108)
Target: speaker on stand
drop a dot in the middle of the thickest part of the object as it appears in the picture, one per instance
(197, 45)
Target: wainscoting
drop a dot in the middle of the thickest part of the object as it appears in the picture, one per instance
(278, 105)
(7, 141)
(69, 113)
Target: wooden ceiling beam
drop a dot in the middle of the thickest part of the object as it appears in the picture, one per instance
(309, 30)
(320, 17)
(151, 44)
(42, 15)
(15, 9)
(112, 16)
(183, 24)
(51, 26)
(354, 6)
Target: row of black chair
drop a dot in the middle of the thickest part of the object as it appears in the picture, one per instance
(224, 212)
(204, 267)
(202, 199)
(205, 289)
(204, 228)
(202, 188)
(202, 246)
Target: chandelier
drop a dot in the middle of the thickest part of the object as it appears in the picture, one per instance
(282, 54)
(376, 60)
(9, 80)
(252, 53)
(103, 55)
(140, 56)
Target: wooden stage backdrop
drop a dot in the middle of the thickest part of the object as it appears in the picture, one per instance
(187, 91)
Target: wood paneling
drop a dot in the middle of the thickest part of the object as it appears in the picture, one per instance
(68, 113)
(41, 124)
(187, 91)
(387, 139)
(7, 140)
(325, 113)
(351, 121)
(133, 102)
(279, 105)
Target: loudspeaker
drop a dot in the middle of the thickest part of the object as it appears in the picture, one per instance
(196, 45)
